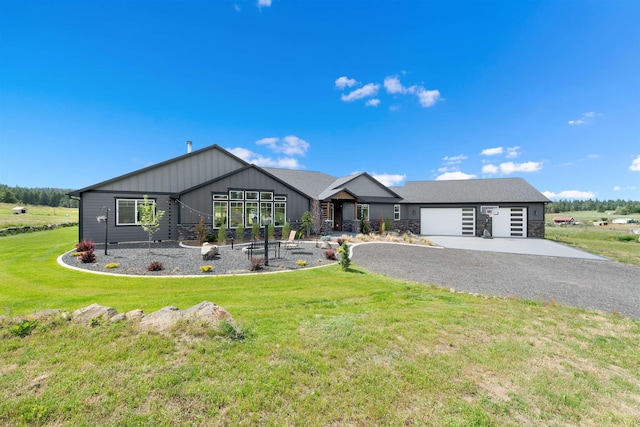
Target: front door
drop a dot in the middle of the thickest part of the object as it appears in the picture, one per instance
(337, 216)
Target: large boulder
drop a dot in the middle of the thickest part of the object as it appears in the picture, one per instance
(204, 313)
(161, 320)
(94, 311)
(209, 251)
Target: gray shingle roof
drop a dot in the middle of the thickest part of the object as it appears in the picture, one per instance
(495, 190)
(309, 182)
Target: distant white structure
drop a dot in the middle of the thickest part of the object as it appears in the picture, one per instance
(624, 221)
(19, 210)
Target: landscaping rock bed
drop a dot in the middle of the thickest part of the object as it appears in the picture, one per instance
(177, 260)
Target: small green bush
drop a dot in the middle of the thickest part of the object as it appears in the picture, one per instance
(301, 262)
(255, 230)
(286, 229)
(240, 232)
(206, 268)
(626, 237)
(112, 265)
(222, 234)
(23, 328)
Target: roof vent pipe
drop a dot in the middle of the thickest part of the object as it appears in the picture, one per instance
(188, 147)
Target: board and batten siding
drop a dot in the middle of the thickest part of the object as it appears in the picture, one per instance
(92, 207)
(364, 186)
(184, 172)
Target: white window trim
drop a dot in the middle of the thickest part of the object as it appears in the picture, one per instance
(137, 202)
(396, 213)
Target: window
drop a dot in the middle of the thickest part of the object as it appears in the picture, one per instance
(236, 195)
(266, 210)
(237, 214)
(248, 207)
(280, 214)
(128, 211)
(363, 212)
(396, 212)
(251, 212)
(220, 213)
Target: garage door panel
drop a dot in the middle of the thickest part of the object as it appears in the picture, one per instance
(510, 222)
(448, 221)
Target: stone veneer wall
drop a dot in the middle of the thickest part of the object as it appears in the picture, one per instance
(535, 229)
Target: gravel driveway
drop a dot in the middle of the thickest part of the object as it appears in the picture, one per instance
(600, 285)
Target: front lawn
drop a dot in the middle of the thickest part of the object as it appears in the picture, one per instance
(321, 347)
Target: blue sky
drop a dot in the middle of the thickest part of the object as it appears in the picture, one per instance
(405, 90)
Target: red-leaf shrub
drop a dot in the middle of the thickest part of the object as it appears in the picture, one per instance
(330, 254)
(88, 256)
(155, 266)
(85, 246)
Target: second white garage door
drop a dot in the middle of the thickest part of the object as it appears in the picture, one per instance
(448, 221)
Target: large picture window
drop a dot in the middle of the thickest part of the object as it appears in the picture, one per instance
(128, 211)
(248, 207)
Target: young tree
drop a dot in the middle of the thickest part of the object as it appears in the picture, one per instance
(150, 218)
(316, 215)
(307, 221)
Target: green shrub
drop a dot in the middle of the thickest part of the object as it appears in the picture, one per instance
(240, 232)
(286, 229)
(255, 230)
(626, 237)
(112, 265)
(271, 229)
(23, 328)
(222, 234)
(206, 268)
(345, 261)
(301, 262)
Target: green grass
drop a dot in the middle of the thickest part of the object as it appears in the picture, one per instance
(613, 241)
(37, 215)
(321, 347)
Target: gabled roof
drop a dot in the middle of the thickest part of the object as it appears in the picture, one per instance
(309, 182)
(493, 190)
(156, 166)
(235, 172)
(343, 183)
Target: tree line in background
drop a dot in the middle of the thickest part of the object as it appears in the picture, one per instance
(54, 197)
(621, 207)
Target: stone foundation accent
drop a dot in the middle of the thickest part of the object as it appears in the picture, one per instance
(535, 229)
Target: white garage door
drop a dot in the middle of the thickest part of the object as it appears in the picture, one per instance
(510, 222)
(448, 221)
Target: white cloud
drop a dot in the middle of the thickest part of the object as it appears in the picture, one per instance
(454, 160)
(344, 81)
(617, 188)
(290, 145)
(492, 151)
(512, 152)
(389, 179)
(593, 156)
(372, 102)
(260, 160)
(392, 85)
(236, 8)
(570, 194)
(490, 169)
(428, 98)
(394, 108)
(264, 3)
(510, 167)
(584, 118)
(454, 175)
(370, 89)
(635, 164)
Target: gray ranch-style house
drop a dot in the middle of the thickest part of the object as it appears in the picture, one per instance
(221, 188)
